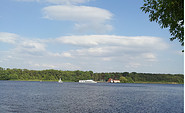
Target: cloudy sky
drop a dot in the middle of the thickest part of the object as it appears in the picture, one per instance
(97, 35)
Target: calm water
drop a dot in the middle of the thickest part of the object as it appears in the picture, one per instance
(52, 97)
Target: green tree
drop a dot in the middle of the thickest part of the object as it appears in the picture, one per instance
(13, 76)
(125, 74)
(167, 13)
(129, 80)
(1, 69)
(123, 79)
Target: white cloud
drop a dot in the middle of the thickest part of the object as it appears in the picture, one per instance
(94, 51)
(63, 66)
(67, 1)
(149, 56)
(77, 13)
(86, 18)
(8, 37)
(123, 51)
(28, 0)
(93, 27)
(44, 65)
(64, 54)
(57, 1)
(33, 46)
(145, 42)
(107, 58)
(133, 65)
(29, 47)
(22, 45)
(89, 52)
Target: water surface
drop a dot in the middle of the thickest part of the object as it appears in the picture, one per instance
(52, 97)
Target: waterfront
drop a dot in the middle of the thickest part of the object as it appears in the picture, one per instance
(71, 97)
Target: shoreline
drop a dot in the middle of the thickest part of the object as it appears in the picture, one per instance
(138, 82)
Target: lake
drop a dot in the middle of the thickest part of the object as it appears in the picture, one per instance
(52, 97)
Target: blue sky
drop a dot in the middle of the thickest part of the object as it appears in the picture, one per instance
(97, 35)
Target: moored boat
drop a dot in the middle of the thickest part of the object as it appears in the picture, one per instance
(60, 81)
(87, 81)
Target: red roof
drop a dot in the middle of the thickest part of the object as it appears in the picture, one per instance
(110, 80)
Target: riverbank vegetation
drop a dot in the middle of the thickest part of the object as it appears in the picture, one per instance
(75, 76)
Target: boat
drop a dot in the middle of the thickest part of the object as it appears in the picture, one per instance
(87, 81)
(60, 81)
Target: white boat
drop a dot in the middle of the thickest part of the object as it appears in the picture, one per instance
(60, 81)
(87, 81)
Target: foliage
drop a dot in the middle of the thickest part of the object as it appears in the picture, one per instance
(54, 75)
(75, 76)
(129, 80)
(134, 77)
(123, 80)
(167, 13)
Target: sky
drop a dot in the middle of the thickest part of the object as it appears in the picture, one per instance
(96, 35)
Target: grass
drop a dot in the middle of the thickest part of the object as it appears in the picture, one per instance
(162, 82)
(39, 80)
(158, 82)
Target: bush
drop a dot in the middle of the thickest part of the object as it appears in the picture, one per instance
(123, 80)
(129, 80)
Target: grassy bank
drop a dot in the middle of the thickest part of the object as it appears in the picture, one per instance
(40, 80)
(158, 82)
(138, 82)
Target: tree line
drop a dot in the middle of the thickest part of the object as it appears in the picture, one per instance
(75, 76)
(133, 77)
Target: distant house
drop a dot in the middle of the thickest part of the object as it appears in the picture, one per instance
(110, 80)
(113, 81)
(116, 81)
